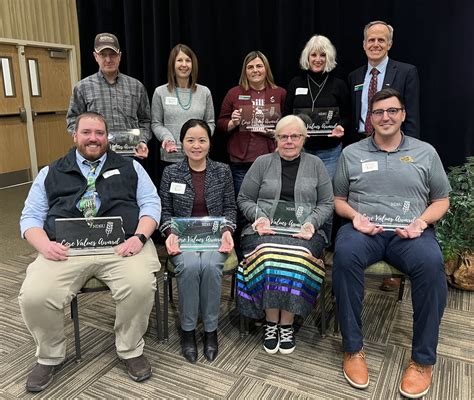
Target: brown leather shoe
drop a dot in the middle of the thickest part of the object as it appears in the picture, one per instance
(416, 380)
(355, 369)
(138, 368)
(390, 284)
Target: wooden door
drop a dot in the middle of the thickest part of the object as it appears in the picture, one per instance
(15, 164)
(49, 84)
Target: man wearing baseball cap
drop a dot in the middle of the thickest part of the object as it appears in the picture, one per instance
(121, 99)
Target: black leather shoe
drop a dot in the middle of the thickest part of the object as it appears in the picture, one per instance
(189, 346)
(211, 346)
(138, 368)
(41, 377)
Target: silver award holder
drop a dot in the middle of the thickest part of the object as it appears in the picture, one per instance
(198, 233)
(286, 217)
(260, 118)
(389, 212)
(90, 236)
(321, 120)
(124, 142)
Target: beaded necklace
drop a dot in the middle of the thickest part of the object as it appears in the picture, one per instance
(186, 106)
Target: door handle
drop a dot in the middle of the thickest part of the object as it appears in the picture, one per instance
(34, 114)
(22, 114)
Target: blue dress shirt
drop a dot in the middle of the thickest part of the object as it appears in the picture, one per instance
(36, 205)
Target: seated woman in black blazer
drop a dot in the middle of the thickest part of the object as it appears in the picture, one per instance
(198, 187)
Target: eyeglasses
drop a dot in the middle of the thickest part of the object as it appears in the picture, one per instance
(295, 137)
(392, 112)
(111, 55)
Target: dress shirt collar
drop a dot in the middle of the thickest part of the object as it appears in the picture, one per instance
(382, 67)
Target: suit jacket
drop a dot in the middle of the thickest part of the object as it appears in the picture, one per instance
(400, 76)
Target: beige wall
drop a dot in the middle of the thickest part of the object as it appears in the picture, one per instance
(49, 21)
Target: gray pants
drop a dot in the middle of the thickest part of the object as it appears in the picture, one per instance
(199, 278)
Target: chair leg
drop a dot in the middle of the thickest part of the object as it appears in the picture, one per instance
(336, 316)
(170, 287)
(159, 323)
(166, 279)
(232, 287)
(77, 338)
(402, 289)
(322, 305)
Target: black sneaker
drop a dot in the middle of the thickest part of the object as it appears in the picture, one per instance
(41, 377)
(271, 339)
(287, 339)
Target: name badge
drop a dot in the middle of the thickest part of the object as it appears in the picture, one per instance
(110, 173)
(370, 166)
(177, 188)
(171, 101)
(244, 97)
(359, 87)
(301, 90)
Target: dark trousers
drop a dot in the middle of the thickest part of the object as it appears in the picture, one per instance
(419, 258)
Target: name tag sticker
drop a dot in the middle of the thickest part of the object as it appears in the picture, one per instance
(358, 87)
(107, 174)
(177, 188)
(244, 97)
(301, 90)
(370, 166)
(171, 101)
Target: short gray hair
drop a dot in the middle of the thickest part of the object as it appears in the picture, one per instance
(389, 27)
(320, 44)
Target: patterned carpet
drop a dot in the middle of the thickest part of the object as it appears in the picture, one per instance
(242, 370)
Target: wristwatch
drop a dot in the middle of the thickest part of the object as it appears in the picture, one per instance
(142, 237)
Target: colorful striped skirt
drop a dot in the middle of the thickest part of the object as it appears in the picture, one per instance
(280, 276)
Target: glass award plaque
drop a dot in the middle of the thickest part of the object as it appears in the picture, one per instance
(389, 212)
(321, 121)
(260, 118)
(86, 236)
(124, 142)
(198, 233)
(286, 217)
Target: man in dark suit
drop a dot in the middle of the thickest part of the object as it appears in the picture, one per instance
(378, 39)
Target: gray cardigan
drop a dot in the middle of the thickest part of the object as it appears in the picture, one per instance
(263, 180)
(218, 192)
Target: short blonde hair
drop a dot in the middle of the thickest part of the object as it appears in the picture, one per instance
(320, 44)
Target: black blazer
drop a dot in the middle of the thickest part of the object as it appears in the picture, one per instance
(218, 192)
(400, 76)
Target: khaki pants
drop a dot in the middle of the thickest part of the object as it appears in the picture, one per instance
(49, 286)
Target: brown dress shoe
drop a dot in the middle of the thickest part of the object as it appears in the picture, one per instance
(138, 368)
(416, 380)
(355, 369)
(390, 284)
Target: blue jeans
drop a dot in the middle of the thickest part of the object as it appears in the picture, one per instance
(330, 158)
(419, 258)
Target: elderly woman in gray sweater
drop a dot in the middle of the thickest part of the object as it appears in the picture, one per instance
(281, 274)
